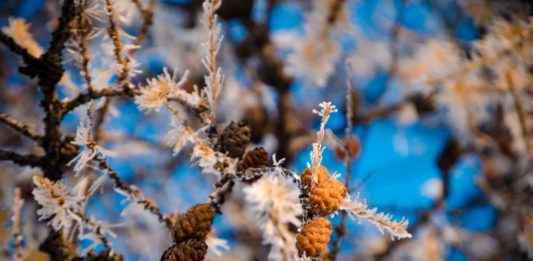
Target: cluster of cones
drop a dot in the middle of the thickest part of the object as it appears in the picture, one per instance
(189, 232)
(234, 140)
(325, 197)
(325, 193)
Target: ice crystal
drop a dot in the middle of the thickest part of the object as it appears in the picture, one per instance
(56, 203)
(384, 222)
(88, 147)
(274, 202)
(165, 87)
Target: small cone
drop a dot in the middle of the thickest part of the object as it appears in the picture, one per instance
(256, 158)
(307, 177)
(314, 237)
(190, 250)
(235, 138)
(195, 224)
(326, 195)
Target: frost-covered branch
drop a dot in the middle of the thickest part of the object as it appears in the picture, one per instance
(316, 154)
(133, 193)
(384, 222)
(148, 19)
(17, 236)
(316, 56)
(85, 139)
(214, 78)
(167, 87)
(84, 98)
(21, 159)
(114, 34)
(19, 127)
(83, 28)
(203, 154)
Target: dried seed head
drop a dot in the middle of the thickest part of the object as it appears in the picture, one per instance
(235, 138)
(190, 250)
(195, 224)
(314, 237)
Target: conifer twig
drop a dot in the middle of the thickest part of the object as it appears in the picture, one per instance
(135, 193)
(22, 160)
(148, 20)
(341, 228)
(17, 206)
(114, 34)
(84, 29)
(19, 127)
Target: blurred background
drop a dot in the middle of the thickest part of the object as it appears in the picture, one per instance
(425, 148)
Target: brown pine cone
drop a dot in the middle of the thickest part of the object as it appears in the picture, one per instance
(195, 224)
(306, 177)
(314, 237)
(326, 197)
(235, 138)
(256, 158)
(190, 250)
(57, 246)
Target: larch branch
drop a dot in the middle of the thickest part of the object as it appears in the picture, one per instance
(19, 127)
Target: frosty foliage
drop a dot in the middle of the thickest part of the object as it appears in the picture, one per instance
(57, 204)
(384, 222)
(326, 108)
(88, 147)
(214, 78)
(465, 88)
(315, 58)
(480, 89)
(165, 87)
(274, 202)
(18, 29)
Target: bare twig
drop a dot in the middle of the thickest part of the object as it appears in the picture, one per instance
(87, 97)
(22, 160)
(19, 127)
(341, 228)
(98, 229)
